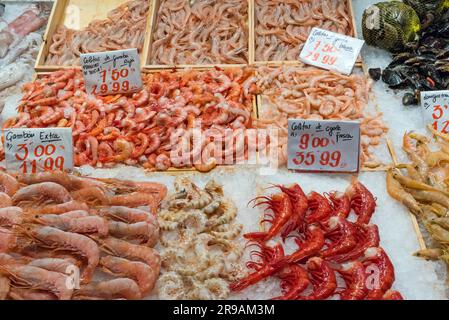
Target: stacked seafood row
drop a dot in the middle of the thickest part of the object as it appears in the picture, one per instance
(282, 27)
(329, 246)
(423, 188)
(20, 41)
(124, 28)
(200, 256)
(309, 93)
(58, 230)
(154, 127)
(201, 32)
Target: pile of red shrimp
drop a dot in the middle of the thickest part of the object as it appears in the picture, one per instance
(282, 27)
(57, 228)
(153, 127)
(301, 92)
(331, 244)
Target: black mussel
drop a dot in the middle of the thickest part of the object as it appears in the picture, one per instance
(375, 73)
(393, 78)
(443, 54)
(431, 72)
(401, 58)
(410, 99)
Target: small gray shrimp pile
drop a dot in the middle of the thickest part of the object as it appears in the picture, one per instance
(199, 255)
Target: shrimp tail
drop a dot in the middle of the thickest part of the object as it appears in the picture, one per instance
(256, 236)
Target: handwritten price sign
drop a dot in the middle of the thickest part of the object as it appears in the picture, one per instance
(435, 108)
(332, 51)
(112, 72)
(329, 146)
(36, 150)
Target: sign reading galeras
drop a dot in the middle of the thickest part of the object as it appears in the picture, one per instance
(323, 145)
(31, 150)
(111, 72)
(435, 109)
(331, 51)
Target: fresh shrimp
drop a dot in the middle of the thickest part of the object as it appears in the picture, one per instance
(294, 280)
(42, 193)
(124, 148)
(282, 210)
(52, 238)
(263, 268)
(341, 205)
(342, 236)
(8, 240)
(299, 206)
(69, 223)
(143, 231)
(142, 146)
(384, 269)
(5, 287)
(28, 294)
(392, 295)
(308, 246)
(319, 208)
(91, 195)
(129, 215)
(143, 274)
(323, 279)
(5, 200)
(135, 199)
(227, 211)
(355, 277)
(121, 288)
(10, 216)
(362, 201)
(396, 191)
(367, 236)
(123, 249)
(58, 208)
(63, 266)
(8, 184)
(25, 276)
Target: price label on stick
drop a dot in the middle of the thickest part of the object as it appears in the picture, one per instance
(111, 72)
(331, 51)
(435, 109)
(38, 149)
(321, 145)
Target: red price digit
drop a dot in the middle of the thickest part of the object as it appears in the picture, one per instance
(23, 166)
(59, 163)
(104, 88)
(25, 152)
(94, 89)
(125, 85)
(103, 76)
(437, 112)
(335, 159)
(329, 48)
(310, 159)
(48, 164)
(33, 166)
(316, 56)
(304, 142)
(445, 127)
(299, 158)
(318, 43)
(325, 157)
(116, 86)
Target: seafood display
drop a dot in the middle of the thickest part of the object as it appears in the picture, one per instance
(124, 28)
(333, 246)
(282, 27)
(58, 229)
(422, 187)
(200, 255)
(309, 93)
(201, 32)
(153, 128)
(20, 41)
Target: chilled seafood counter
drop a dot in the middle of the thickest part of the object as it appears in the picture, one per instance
(162, 150)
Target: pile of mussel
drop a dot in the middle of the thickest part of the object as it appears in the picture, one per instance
(420, 66)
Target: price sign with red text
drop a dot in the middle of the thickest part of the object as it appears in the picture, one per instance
(320, 145)
(111, 72)
(435, 108)
(331, 51)
(38, 149)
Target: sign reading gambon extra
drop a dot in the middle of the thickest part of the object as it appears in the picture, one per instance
(38, 149)
(320, 145)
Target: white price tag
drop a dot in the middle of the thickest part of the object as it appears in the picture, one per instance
(331, 51)
(321, 145)
(112, 72)
(38, 149)
(435, 109)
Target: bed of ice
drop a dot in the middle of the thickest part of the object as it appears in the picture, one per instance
(415, 278)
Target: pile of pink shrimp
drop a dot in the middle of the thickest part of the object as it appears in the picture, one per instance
(58, 229)
(292, 92)
(201, 32)
(282, 27)
(146, 128)
(124, 28)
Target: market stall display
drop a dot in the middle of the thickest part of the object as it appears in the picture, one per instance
(53, 222)
(156, 205)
